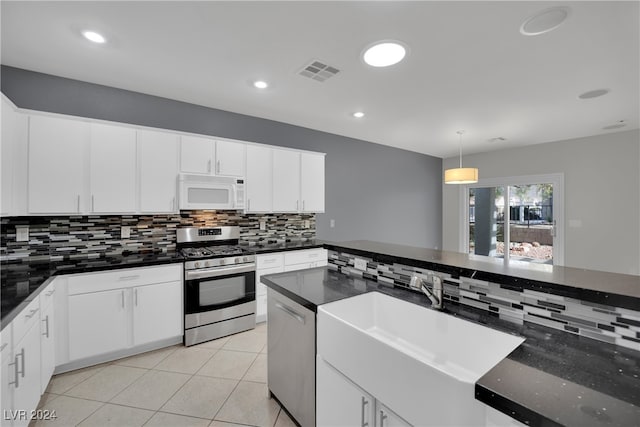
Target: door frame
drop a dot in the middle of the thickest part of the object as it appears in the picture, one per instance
(557, 179)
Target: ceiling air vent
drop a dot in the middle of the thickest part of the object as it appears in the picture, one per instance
(319, 71)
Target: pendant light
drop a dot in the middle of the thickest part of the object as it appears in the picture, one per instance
(461, 175)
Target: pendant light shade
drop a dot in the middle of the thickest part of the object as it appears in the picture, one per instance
(461, 175)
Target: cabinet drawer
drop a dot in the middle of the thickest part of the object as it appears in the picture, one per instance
(5, 340)
(46, 296)
(305, 256)
(269, 261)
(123, 278)
(26, 319)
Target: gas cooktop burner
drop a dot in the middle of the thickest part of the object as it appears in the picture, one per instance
(211, 251)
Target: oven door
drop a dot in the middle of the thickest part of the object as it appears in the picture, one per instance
(218, 288)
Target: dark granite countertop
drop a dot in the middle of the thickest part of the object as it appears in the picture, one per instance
(265, 247)
(553, 378)
(22, 281)
(621, 290)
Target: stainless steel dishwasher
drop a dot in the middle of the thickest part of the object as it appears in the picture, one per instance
(291, 346)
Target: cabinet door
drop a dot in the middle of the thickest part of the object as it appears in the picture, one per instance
(157, 312)
(286, 181)
(14, 138)
(339, 401)
(112, 169)
(47, 347)
(259, 179)
(196, 155)
(158, 171)
(26, 392)
(7, 374)
(385, 417)
(57, 161)
(312, 182)
(97, 323)
(261, 293)
(230, 158)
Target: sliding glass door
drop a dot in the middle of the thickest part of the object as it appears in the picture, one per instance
(516, 218)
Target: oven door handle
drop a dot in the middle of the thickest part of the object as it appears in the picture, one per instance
(204, 273)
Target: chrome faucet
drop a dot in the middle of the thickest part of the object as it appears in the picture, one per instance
(435, 294)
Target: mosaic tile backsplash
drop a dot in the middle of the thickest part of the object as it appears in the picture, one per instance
(74, 237)
(613, 325)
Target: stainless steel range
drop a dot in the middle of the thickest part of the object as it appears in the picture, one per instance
(219, 283)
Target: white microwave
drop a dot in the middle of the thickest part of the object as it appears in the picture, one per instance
(210, 192)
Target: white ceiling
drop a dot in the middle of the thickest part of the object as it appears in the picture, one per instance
(468, 66)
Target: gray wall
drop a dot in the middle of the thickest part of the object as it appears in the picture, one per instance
(373, 192)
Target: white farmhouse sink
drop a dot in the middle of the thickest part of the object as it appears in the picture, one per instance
(421, 363)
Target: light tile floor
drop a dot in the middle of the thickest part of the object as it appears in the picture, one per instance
(219, 383)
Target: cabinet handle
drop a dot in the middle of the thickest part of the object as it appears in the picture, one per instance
(303, 205)
(46, 322)
(93, 208)
(290, 312)
(123, 278)
(122, 298)
(218, 167)
(173, 204)
(16, 369)
(51, 292)
(382, 418)
(297, 203)
(135, 297)
(78, 204)
(365, 402)
(209, 166)
(32, 313)
(3, 346)
(248, 204)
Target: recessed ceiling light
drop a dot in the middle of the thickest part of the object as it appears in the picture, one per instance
(384, 54)
(545, 21)
(94, 37)
(358, 114)
(593, 93)
(260, 84)
(618, 125)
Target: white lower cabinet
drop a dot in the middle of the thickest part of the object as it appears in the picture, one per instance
(97, 323)
(340, 402)
(119, 311)
(261, 293)
(47, 345)
(6, 374)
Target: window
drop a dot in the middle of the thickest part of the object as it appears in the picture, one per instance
(515, 218)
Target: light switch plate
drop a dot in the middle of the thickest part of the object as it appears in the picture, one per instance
(360, 264)
(332, 223)
(125, 232)
(22, 233)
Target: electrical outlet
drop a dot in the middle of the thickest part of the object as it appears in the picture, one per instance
(360, 264)
(22, 233)
(125, 232)
(332, 223)
(307, 223)
(263, 225)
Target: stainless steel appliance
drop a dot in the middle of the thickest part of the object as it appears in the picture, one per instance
(291, 365)
(210, 192)
(219, 283)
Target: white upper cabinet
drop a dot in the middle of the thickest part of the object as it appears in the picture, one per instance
(230, 158)
(13, 140)
(57, 162)
(158, 165)
(197, 155)
(286, 181)
(112, 169)
(312, 182)
(259, 186)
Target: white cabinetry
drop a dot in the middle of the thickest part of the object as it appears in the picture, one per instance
(340, 402)
(7, 372)
(259, 182)
(307, 258)
(197, 155)
(286, 181)
(158, 166)
(230, 158)
(57, 162)
(13, 141)
(119, 310)
(47, 336)
(112, 169)
(265, 264)
(312, 182)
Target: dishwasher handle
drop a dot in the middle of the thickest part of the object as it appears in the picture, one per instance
(291, 312)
